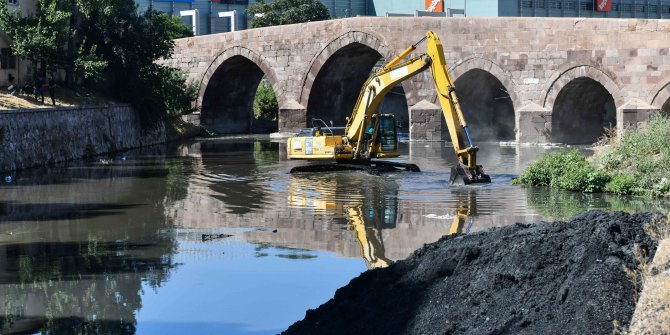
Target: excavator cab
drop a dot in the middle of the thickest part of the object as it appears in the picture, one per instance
(382, 136)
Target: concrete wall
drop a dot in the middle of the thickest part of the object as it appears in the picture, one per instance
(38, 137)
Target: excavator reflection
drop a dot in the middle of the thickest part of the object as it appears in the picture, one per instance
(369, 208)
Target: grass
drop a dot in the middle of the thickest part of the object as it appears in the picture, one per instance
(639, 274)
(64, 97)
(651, 315)
(638, 163)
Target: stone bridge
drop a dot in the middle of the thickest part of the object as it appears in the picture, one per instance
(524, 79)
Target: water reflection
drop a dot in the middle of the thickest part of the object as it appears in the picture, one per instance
(561, 204)
(76, 249)
(367, 204)
(205, 237)
(370, 206)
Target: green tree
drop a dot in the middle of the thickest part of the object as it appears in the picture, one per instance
(281, 12)
(265, 102)
(39, 37)
(130, 44)
(109, 47)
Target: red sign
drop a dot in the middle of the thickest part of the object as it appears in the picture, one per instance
(434, 6)
(604, 5)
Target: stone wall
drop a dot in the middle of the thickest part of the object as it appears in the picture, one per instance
(37, 137)
(533, 59)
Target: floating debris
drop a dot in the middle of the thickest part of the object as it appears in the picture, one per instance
(211, 237)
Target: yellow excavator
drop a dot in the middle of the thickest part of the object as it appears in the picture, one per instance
(370, 134)
(367, 221)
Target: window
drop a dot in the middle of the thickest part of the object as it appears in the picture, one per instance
(539, 4)
(639, 8)
(555, 5)
(570, 5)
(665, 9)
(12, 2)
(585, 5)
(526, 3)
(7, 59)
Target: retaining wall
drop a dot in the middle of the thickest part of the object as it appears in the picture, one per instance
(44, 136)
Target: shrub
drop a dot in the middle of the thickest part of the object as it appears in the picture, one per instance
(265, 102)
(643, 155)
(582, 178)
(622, 184)
(568, 170)
(550, 167)
(639, 164)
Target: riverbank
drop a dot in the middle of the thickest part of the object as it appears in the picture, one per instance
(563, 277)
(38, 137)
(65, 97)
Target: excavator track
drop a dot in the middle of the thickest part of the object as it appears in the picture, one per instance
(373, 167)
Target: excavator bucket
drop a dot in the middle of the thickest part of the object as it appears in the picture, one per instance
(462, 175)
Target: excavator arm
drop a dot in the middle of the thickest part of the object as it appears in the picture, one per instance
(360, 139)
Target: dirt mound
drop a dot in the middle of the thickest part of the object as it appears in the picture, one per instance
(553, 278)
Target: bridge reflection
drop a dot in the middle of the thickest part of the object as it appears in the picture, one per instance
(352, 214)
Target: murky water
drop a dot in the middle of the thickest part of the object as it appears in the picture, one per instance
(216, 236)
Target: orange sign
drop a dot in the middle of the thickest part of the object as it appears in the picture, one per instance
(434, 6)
(604, 5)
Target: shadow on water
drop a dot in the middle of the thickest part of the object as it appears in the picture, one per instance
(79, 287)
(90, 240)
(232, 170)
(56, 211)
(139, 163)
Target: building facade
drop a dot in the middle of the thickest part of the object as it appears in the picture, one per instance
(653, 9)
(13, 70)
(218, 16)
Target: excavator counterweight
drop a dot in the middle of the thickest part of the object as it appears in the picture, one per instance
(369, 134)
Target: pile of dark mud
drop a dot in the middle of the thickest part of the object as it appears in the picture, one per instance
(553, 278)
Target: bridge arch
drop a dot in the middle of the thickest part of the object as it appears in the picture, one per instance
(661, 98)
(337, 72)
(228, 88)
(583, 100)
(488, 96)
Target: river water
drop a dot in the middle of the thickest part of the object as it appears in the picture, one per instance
(215, 236)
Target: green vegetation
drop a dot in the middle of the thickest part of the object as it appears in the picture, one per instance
(638, 165)
(40, 38)
(265, 102)
(280, 12)
(107, 47)
(644, 156)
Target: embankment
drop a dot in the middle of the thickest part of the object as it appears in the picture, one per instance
(554, 278)
(38, 137)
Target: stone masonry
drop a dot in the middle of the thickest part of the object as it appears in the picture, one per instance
(534, 58)
(40, 137)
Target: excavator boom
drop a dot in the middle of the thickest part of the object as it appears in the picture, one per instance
(371, 134)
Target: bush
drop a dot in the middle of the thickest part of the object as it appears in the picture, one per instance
(639, 164)
(568, 170)
(265, 102)
(550, 167)
(644, 156)
(623, 184)
(584, 178)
